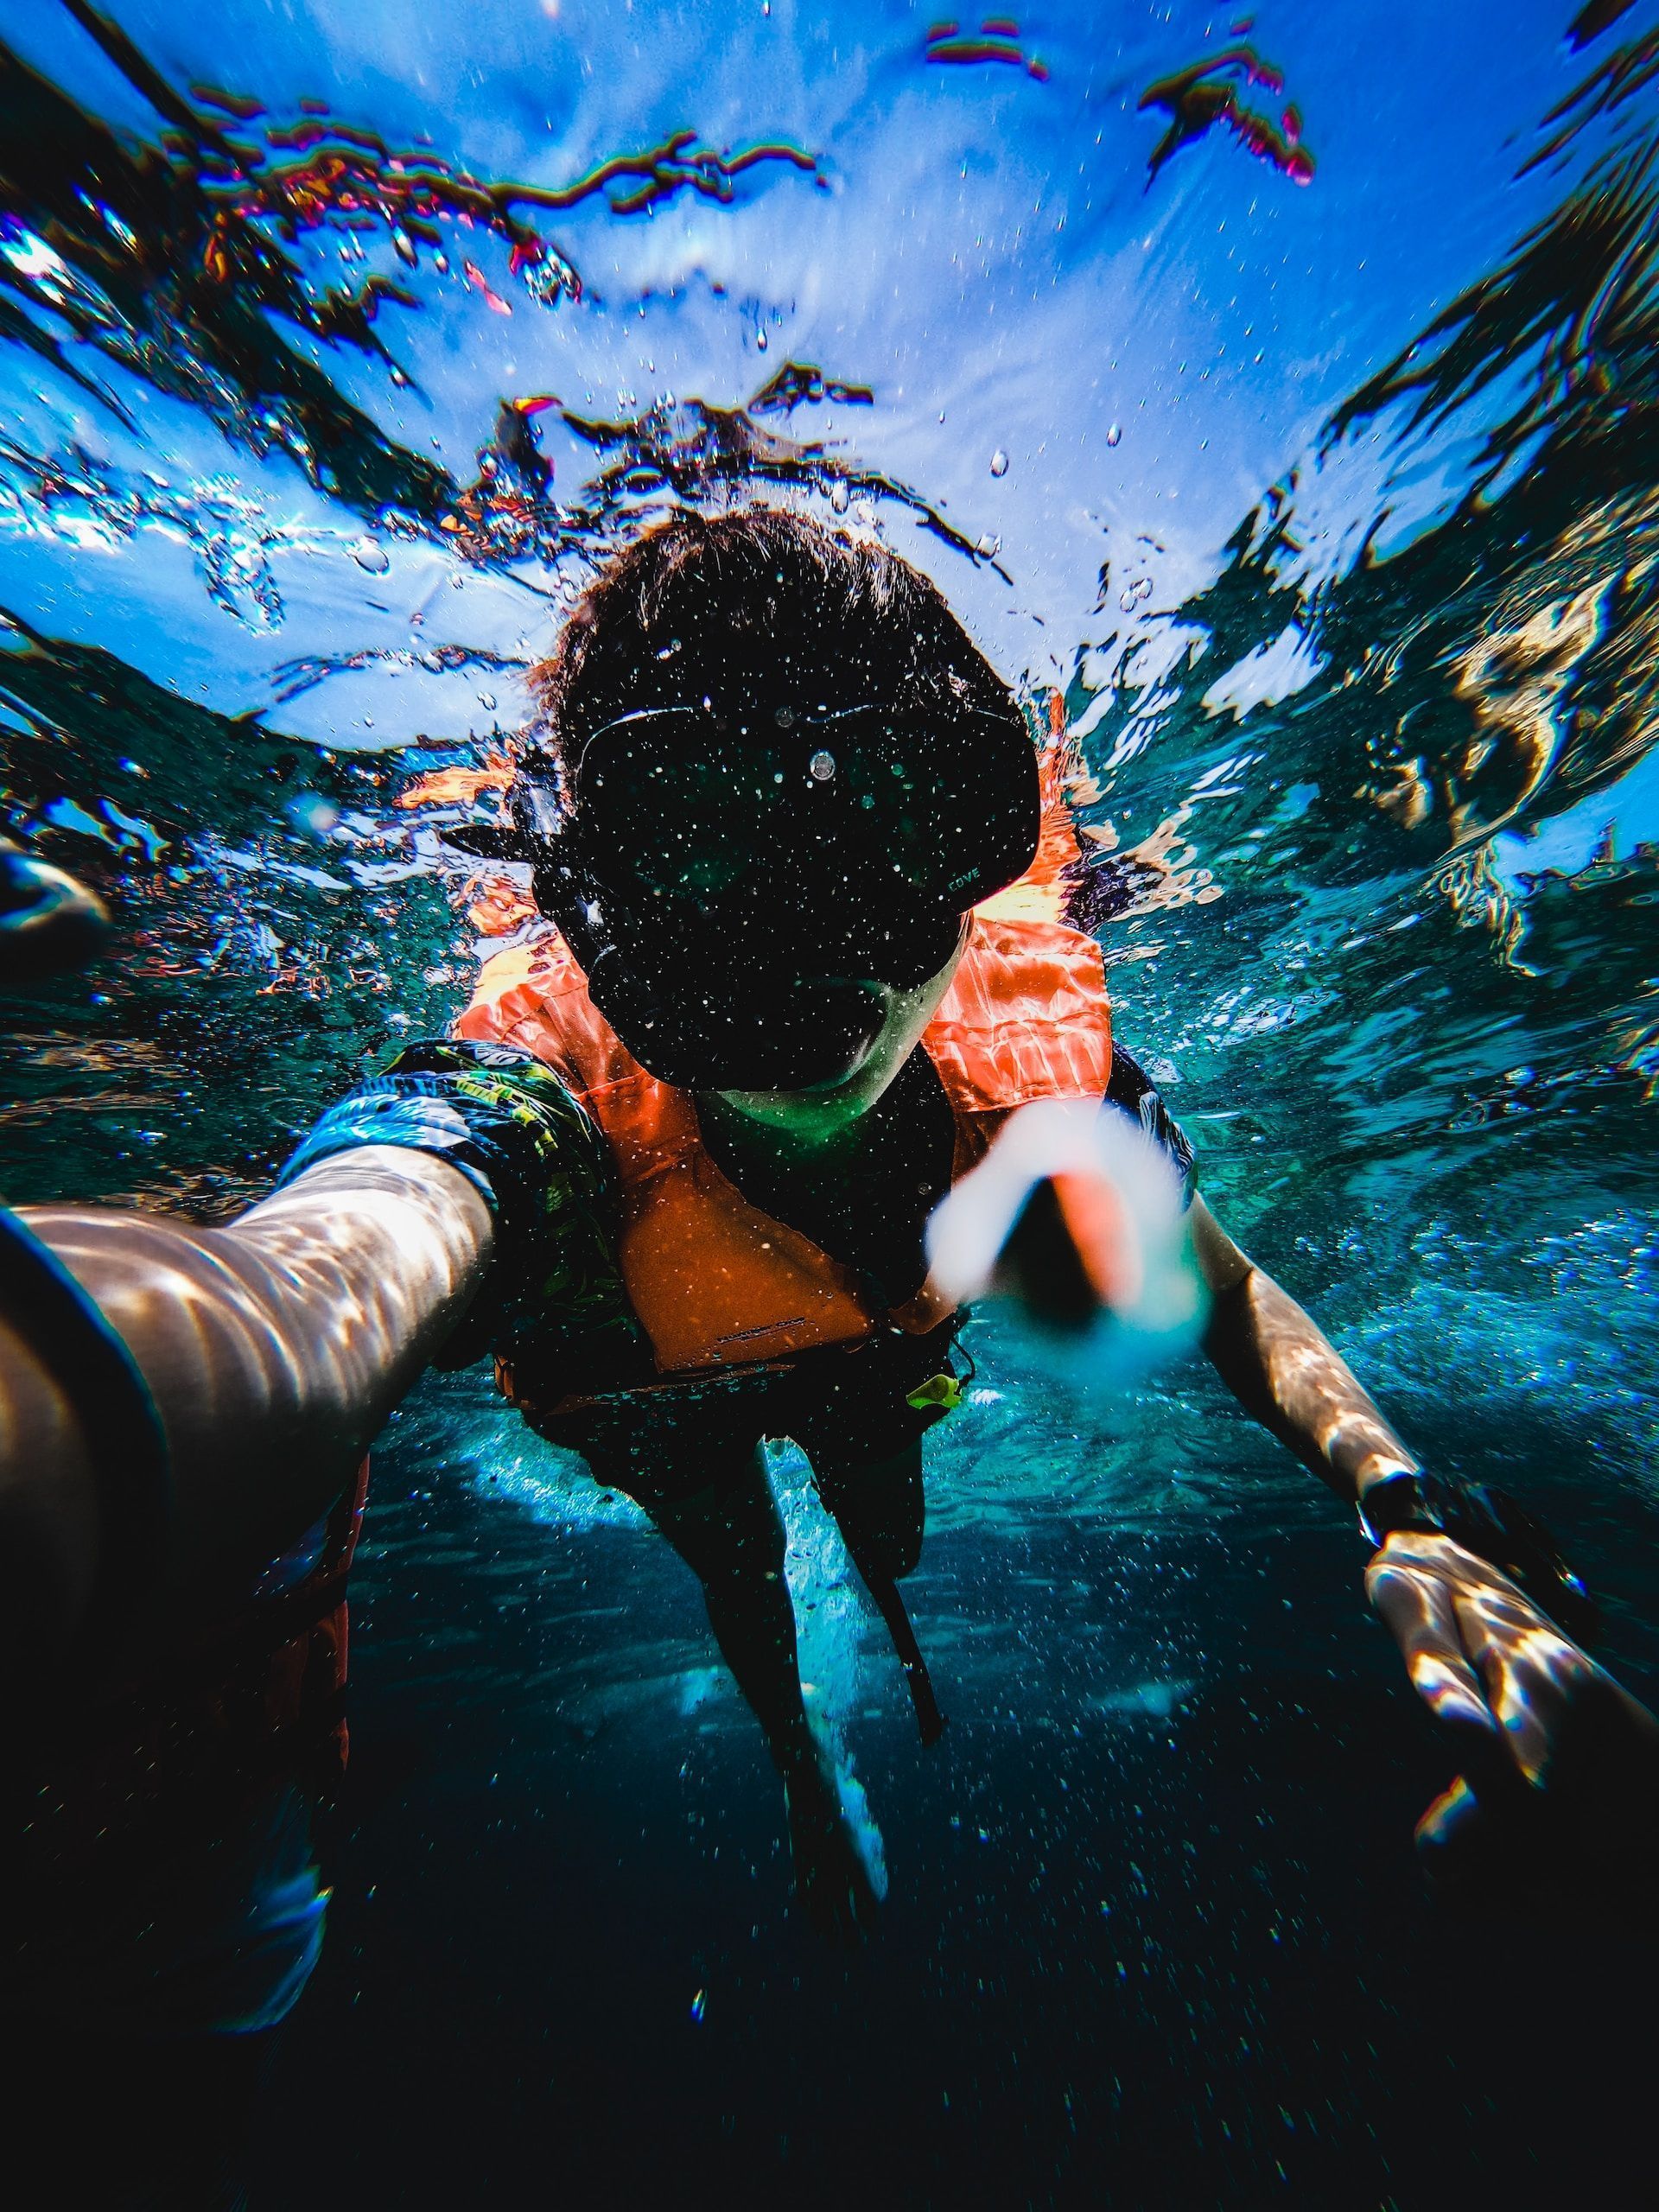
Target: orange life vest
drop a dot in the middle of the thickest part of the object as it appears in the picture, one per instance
(714, 1282)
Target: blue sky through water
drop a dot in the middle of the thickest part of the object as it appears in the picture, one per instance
(981, 248)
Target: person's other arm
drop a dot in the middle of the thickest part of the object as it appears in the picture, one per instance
(1283, 1371)
(274, 1348)
(1553, 1751)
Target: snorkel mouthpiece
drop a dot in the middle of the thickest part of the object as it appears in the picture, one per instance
(796, 1034)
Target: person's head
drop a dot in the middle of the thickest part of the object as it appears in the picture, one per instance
(774, 776)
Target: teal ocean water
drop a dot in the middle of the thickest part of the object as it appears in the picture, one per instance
(1280, 389)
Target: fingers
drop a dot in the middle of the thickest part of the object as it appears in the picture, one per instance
(1453, 1837)
(1417, 1608)
(1560, 1764)
(1417, 1602)
(1531, 1673)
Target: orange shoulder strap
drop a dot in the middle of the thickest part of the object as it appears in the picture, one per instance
(1026, 1016)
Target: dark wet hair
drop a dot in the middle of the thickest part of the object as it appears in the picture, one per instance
(756, 605)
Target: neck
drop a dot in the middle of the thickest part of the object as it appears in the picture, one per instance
(793, 1125)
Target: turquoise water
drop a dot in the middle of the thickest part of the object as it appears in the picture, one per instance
(1316, 463)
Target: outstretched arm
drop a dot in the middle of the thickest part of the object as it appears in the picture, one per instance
(1282, 1369)
(1559, 1763)
(274, 1348)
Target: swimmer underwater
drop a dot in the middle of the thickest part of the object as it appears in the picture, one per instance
(674, 1171)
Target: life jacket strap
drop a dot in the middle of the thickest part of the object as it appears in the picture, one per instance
(884, 1593)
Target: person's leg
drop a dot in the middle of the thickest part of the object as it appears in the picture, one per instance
(878, 1507)
(880, 1511)
(729, 1533)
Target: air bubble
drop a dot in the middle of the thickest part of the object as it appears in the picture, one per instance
(1114, 435)
(999, 463)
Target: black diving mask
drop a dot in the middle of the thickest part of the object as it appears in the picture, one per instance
(744, 894)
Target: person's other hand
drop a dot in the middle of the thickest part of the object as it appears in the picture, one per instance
(1074, 1252)
(1074, 1219)
(1559, 1765)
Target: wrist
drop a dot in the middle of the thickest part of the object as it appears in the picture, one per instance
(1379, 1470)
(1486, 1521)
(506, 1124)
(1394, 1498)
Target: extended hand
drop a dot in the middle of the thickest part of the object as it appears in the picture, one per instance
(1560, 1766)
(1075, 1219)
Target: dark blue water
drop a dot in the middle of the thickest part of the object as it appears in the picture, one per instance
(1314, 460)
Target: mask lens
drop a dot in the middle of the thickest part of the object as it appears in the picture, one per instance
(680, 819)
(753, 886)
(685, 805)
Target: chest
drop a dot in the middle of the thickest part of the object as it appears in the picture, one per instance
(865, 1203)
